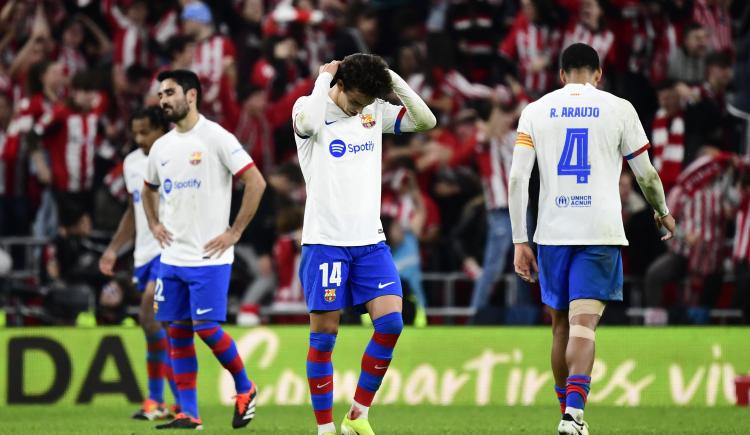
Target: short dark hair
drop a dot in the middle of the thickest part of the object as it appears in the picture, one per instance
(691, 27)
(177, 44)
(722, 59)
(665, 84)
(366, 73)
(84, 81)
(155, 117)
(186, 79)
(578, 56)
(35, 83)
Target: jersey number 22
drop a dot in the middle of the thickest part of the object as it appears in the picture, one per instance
(576, 139)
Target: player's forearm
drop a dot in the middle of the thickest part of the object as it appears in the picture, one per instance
(311, 117)
(417, 110)
(255, 185)
(518, 191)
(650, 183)
(125, 230)
(150, 198)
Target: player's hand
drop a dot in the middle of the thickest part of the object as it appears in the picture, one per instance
(220, 244)
(161, 234)
(107, 262)
(524, 262)
(668, 223)
(330, 67)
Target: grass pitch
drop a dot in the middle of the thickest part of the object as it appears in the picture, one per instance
(109, 419)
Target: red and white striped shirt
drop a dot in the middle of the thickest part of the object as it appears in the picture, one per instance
(741, 250)
(696, 201)
(715, 18)
(668, 141)
(131, 40)
(71, 138)
(526, 42)
(494, 158)
(210, 57)
(12, 170)
(601, 41)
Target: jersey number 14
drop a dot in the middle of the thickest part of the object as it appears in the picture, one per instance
(576, 142)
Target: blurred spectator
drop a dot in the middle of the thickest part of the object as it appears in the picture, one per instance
(404, 217)
(590, 27)
(643, 237)
(739, 105)
(361, 33)
(257, 120)
(70, 134)
(714, 15)
(668, 136)
(741, 245)
(71, 51)
(475, 27)
(180, 49)
(131, 36)
(698, 202)
(214, 59)
(687, 64)
(14, 205)
(707, 121)
(534, 42)
(493, 152)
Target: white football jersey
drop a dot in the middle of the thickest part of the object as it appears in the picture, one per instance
(580, 135)
(341, 164)
(194, 170)
(134, 172)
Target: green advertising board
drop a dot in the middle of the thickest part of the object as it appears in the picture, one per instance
(436, 365)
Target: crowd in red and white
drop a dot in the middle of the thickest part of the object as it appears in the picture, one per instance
(72, 72)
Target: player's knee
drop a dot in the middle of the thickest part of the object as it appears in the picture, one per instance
(392, 323)
(584, 315)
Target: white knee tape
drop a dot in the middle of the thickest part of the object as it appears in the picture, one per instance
(581, 331)
(585, 306)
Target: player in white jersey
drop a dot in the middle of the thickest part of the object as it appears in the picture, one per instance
(194, 164)
(146, 125)
(345, 262)
(579, 136)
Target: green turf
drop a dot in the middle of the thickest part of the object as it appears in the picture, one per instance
(389, 420)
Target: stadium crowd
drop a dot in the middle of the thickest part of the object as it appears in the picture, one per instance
(72, 72)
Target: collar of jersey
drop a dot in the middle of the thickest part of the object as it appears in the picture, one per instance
(197, 124)
(578, 86)
(339, 114)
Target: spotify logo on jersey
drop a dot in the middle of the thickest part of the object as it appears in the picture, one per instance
(337, 148)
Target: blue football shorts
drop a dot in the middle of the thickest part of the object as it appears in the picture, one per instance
(146, 273)
(192, 293)
(335, 277)
(567, 273)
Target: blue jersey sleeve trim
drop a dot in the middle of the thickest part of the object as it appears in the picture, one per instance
(399, 117)
(638, 152)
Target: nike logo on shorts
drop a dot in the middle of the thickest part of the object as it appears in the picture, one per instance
(201, 311)
(382, 286)
(164, 162)
(329, 123)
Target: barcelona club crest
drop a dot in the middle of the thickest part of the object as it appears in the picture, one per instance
(196, 158)
(367, 120)
(330, 295)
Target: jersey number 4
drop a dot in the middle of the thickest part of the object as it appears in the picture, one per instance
(576, 142)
